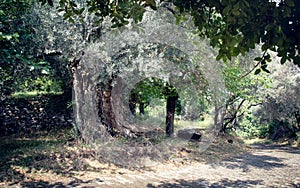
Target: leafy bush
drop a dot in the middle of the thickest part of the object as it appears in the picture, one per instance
(251, 127)
(41, 84)
(277, 116)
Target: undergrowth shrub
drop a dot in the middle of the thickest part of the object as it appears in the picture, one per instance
(251, 127)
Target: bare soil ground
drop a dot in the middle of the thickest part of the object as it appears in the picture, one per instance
(46, 162)
(263, 166)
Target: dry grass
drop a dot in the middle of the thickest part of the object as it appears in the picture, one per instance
(49, 159)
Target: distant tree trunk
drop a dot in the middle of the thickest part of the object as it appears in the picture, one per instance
(132, 103)
(142, 108)
(171, 106)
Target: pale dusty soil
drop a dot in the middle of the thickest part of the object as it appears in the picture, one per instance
(263, 166)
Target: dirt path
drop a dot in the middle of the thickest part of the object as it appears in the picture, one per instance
(264, 166)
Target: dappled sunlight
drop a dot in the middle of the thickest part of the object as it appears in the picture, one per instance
(48, 162)
(149, 93)
(193, 124)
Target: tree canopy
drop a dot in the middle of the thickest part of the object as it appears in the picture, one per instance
(233, 26)
(49, 49)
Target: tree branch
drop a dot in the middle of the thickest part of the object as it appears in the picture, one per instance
(258, 63)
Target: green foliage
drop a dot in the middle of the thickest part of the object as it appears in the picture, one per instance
(234, 27)
(240, 84)
(120, 12)
(242, 88)
(153, 88)
(26, 63)
(146, 91)
(251, 127)
(11, 12)
(41, 84)
(276, 115)
(33, 94)
(281, 102)
(150, 89)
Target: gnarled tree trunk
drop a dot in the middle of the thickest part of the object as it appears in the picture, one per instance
(105, 110)
(107, 115)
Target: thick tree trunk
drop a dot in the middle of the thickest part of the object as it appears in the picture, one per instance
(171, 106)
(107, 115)
(105, 110)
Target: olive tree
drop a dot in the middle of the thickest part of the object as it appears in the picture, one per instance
(234, 27)
(281, 104)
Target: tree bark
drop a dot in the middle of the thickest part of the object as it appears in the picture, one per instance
(105, 110)
(107, 115)
(132, 103)
(171, 106)
(142, 108)
(231, 118)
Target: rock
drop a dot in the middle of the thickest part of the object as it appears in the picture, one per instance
(190, 134)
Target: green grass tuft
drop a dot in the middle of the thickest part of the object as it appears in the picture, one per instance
(31, 94)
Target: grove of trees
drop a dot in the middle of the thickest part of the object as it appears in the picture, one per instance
(44, 43)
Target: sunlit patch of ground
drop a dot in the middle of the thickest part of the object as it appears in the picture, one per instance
(47, 158)
(257, 141)
(289, 142)
(181, 124)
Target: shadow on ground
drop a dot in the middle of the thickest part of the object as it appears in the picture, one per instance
(261, 159)
(204, 183)
(21, 159)
(46, 184)
(285, 148)
(248, 160)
